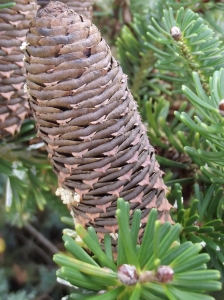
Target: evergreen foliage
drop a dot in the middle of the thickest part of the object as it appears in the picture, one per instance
(26, 174)
(189, 143)
(135, 274)
(177, 78)
(202, 221)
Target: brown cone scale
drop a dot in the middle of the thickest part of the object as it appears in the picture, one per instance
(82, 7)
(89, 120)
(14, 23)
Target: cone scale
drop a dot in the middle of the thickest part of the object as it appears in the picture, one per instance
(89, 121)
(14, 23)
(82, 7)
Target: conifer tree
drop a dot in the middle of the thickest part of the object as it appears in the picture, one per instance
(173, 54)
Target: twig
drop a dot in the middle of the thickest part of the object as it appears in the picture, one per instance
(46, 295)
(41, 238)
(31, 244)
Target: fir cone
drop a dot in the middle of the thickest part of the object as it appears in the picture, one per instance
(14, 23)
(82, 7)
(89, 121)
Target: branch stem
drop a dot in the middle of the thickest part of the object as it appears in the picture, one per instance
(52, 248)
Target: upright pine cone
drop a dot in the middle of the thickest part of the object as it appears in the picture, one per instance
(82, 7)
(14, 23)
(89, 121)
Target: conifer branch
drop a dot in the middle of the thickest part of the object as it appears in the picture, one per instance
(194, 49)
(44, 241)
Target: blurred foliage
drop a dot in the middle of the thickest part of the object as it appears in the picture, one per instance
(25, 175)
(27, 196)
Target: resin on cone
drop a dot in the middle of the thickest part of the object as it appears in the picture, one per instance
(89, 121)
(82, 7)
(14, 24)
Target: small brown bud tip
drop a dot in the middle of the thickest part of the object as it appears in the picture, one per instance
(221, 107)
(164, 274)
(175, 33)
(127, 274)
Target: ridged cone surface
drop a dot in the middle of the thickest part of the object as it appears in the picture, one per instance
(89, 121)
(14, 24)
(82, 7)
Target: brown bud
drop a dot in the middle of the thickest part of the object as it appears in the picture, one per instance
(165, 274)
(175, 33)
(127, 274)
(221, 107)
